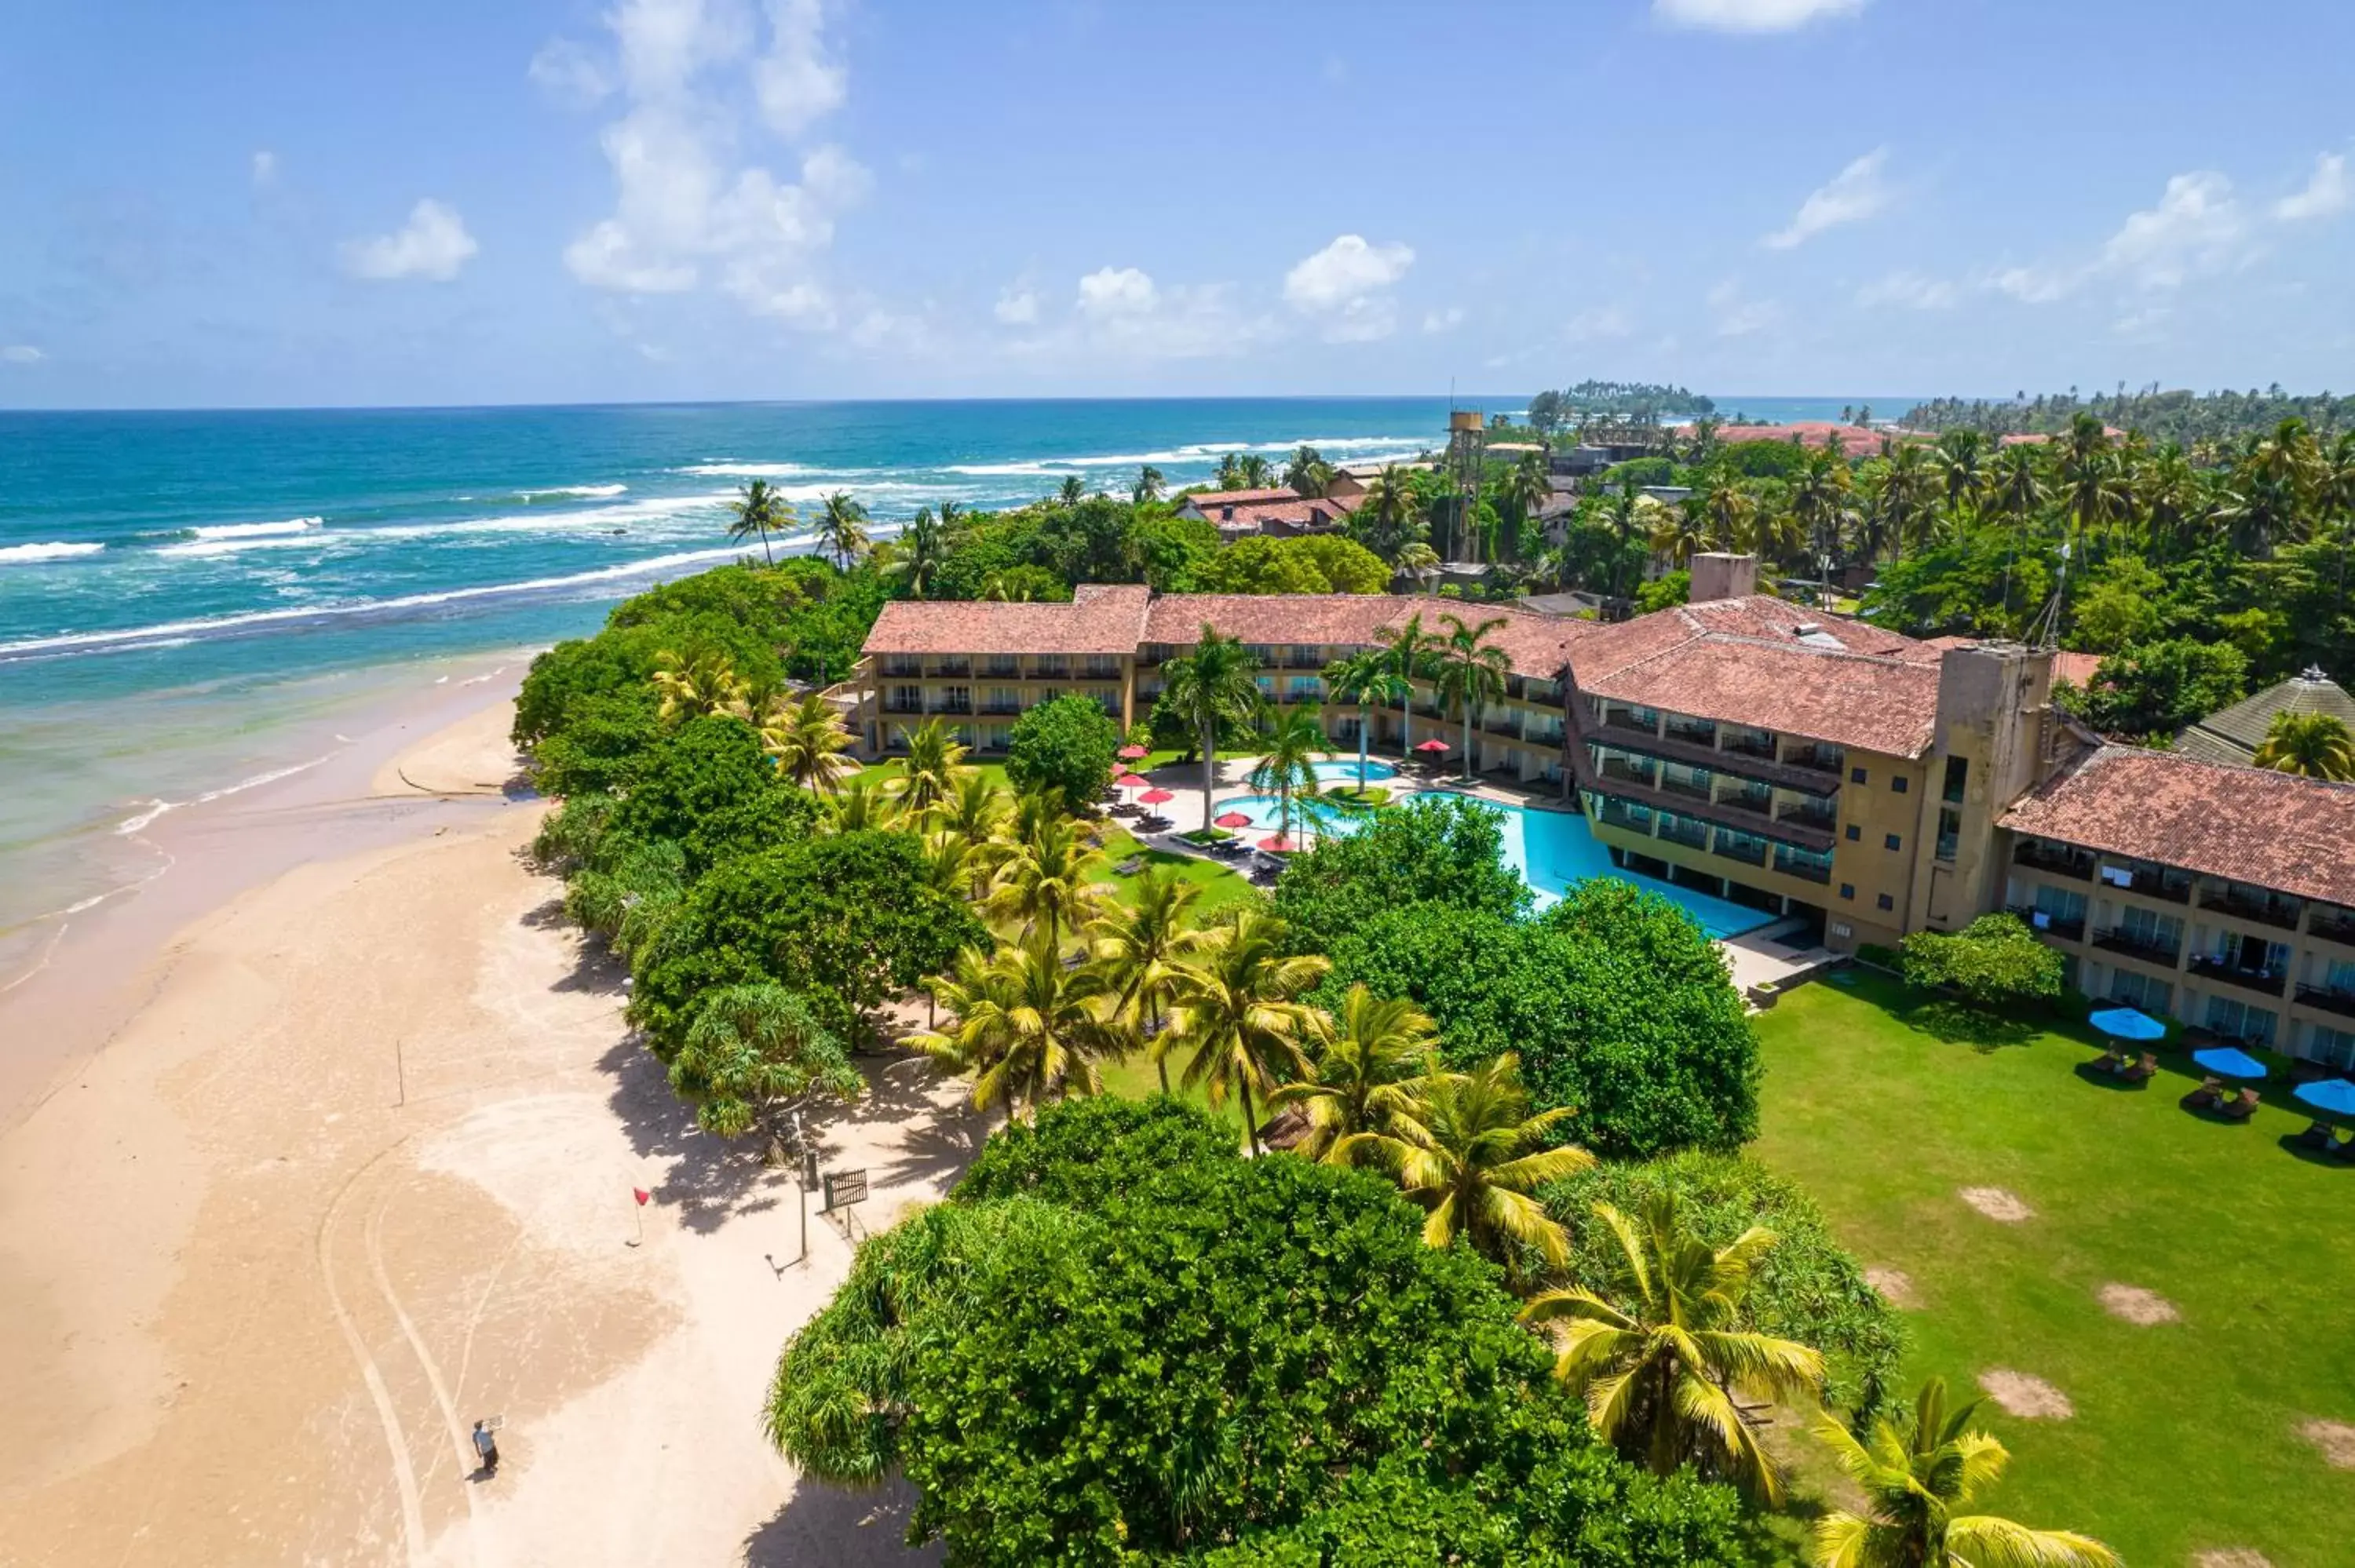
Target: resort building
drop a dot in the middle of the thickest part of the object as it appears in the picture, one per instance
(1280, 513)
(2234, 734)
(1802, 763)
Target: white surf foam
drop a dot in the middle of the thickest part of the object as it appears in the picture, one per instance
(90, 640)
(25, 555)
(582, 490)
(257, 530)
(728, 468)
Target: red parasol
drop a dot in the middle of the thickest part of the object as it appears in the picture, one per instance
(1155, 798)
(1130, 780)
(1233, 820)
(1276, 843)
(1131, 753)
(1432, 745)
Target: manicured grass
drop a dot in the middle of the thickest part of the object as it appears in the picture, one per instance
(1220, 884)
(2185, 1438)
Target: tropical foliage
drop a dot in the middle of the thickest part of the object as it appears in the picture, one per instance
(1068, 745)
(1993, 960)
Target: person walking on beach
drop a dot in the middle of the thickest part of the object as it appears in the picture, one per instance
(487, 1446)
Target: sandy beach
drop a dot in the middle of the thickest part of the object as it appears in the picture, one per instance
(356, 1167)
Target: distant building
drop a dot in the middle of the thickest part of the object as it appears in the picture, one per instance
(1349, 481)
(1854, 440)
(1278, 514)
(2234, 734)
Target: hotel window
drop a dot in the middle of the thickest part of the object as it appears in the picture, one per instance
(1856, 775)
(2147, 929)
(1958, 772)
(1886, 902)
(2339, 977)
(1855, 833)
(1891, 840)
(2152, 995)
(2332, 1047)
(1103, 666)
(1950, 832)
(2236, 1019)
(1899, 784)
(2056, 906)
(905, 700)
(1848, 890)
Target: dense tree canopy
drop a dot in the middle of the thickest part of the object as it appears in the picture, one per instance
(1067, 744)
(1993, 960)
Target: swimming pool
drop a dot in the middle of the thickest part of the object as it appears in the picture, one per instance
(1346, 772)
(1551, 851)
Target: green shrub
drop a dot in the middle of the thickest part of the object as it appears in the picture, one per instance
(1993, 960)
(1066, 743)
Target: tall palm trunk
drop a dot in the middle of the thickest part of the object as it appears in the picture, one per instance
(1153, 1029)
(1251, 1122)
(1364, 711)
(1468, 740)
(1209, 738)
(766, 554)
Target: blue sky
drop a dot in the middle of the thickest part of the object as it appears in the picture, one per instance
(577, 200)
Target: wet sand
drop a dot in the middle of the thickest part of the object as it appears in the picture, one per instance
(355, 1168)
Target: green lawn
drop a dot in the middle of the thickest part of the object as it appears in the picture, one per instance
(2185, 1438)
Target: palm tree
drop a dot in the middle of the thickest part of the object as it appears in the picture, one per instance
(1472, 672)
(1307, 473)
(1819, 491)
(1905, 499)
(2313, 746)
(924, 546)
(808, 738)
(1213, 685)
(1367, 680)
(1149, 485)
(842, 528)
(1915, 1473)
(1418, 560)
(1287, 764)
(1464, 1146)
(1255, 471)
(1365, 1074)
(1138, 947)
(1073, 490)
(759, 509)
(1046, 882)
(1962, 471)
(1728, 511)
(1236, 1008)
(1027, 1026)
(1662, 1365)
(975, 805)
(1231, 470)
(2334, 499)
(1631, 513)
(862, 806)
(1388, 516)
(1679, 532)
(1412, 655)
(694, 685)
(929, 773)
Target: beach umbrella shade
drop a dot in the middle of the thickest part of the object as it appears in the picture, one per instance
(1233, 820)
(1131, 753)
(1276, 843)
(1155, 798)
(1130, 780)
(2127, 1024)
(2332, 1096)
(1433, 747)
(2230, 1062)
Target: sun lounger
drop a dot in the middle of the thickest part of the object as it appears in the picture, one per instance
(1155, 824)
(2110, 1061)
(2142, 1072)
(1130, 867)
(2316, 1136)
(2240, 1106)
(2343, 1150)
(2206, 1097)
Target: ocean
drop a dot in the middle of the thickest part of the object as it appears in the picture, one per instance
(189, 600)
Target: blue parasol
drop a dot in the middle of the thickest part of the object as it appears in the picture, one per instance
(2126, 1023)
(2333, 1097)
(2230, 1062)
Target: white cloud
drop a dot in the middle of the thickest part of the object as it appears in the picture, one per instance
(1017, 307)
(433, 245)
(1855, 194)
(21, 354)
(265, 169)
(685, 208)
(2034, 285)
(797, 83)
(569, 74)
(1751, 16)
(1108, 293)
(1596, 323)
(1346, 284)
(2197, 227)
(2325, 195)
(1740, 316)
(1447, 319)
(1910, 289)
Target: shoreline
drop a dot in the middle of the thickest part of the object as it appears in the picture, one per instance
(76, 983)
(354, 1168)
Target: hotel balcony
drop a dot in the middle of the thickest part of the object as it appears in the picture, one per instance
(2174, 886)
(903, 704)
(1616, 719)
(902, 669)
(2117, 939)
(950, 669)
(2057, 859)
(1620, 771)
(1822, 819)
(1829, 759)
(2050, 925)
(1686, 830)
(1807, 867)
(1626, 815)
(2328, 998)
(2333, 926)
(2267, 909)
(1694, 732)
(1691, 790)
(1758, 747)
(959, 706)
(1000, 708)
(2210, 968)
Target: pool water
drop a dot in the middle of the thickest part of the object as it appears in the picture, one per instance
(1551, 851)
(1346, 772)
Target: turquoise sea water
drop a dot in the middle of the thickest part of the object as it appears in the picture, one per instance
(188, 599)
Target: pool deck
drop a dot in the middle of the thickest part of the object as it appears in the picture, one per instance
(1756, 956)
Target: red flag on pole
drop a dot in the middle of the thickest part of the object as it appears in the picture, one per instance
(641, 1195)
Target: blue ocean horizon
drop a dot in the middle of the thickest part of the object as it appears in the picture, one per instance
(182, 593)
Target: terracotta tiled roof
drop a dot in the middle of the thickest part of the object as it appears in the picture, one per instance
(1249, 511)
(1853, 441)
(1209, 498)
(1101, 618)
(1772, 664)
(1333, 619)
(2250, 825)
(2076, 668)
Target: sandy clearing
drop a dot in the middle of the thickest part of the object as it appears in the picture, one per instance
(2335, 1438)
(1997, 1203)
(471, 757)
(2029, 1398)
(1896, 1286)
(2232, 1557)
(359, 1172)
(2137, 1306)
